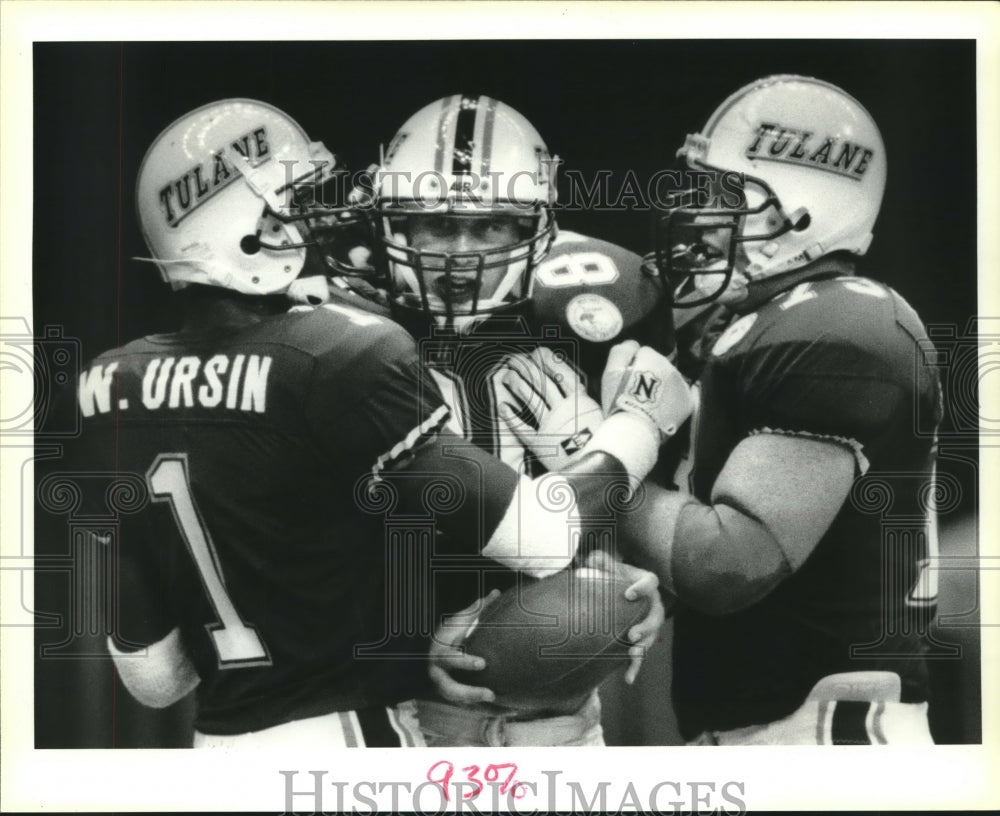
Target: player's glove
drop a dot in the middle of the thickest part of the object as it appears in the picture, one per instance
(545, 404)
(641, 381)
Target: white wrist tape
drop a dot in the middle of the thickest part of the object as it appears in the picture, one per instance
(159, 675)
(537, 534)
(633, 439)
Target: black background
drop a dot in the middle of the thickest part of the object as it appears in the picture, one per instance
(601, 105)
(616, 105)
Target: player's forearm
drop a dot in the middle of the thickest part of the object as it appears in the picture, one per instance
(545, 526)
(542, 531)
(713, 558)
(774, 500)
(531, 525)
(544, 520)
(602, 486)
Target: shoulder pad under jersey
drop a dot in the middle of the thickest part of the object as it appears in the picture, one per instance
(598, 293)
(595, 289)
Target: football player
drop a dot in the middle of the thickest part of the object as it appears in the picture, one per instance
(802, 615)
(261, 450)
(506, 312)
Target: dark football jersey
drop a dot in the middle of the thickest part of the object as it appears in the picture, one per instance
(252, 534)
(836, 359)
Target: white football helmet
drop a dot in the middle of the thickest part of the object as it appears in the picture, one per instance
(459, 159)
(813, 167)
(231, 195)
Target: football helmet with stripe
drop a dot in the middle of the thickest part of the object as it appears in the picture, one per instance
(463, 202)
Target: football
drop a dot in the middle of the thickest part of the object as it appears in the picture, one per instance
(553, 639)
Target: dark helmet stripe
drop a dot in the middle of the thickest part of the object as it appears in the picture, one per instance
(465, 131)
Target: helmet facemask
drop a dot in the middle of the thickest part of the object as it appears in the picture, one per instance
(454, 168)
(460, 266)
(313, 216)
(705, 245)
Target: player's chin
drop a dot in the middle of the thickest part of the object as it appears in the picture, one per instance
(458, 294)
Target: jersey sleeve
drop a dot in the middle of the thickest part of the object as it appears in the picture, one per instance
(143, 611)
(394, 433)
(391, 401)
(824, 388)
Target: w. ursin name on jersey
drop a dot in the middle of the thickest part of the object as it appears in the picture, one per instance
(234, 384)
(786, 144)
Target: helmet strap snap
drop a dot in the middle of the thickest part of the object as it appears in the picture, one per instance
(814, 251)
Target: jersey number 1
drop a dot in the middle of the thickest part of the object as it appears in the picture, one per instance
(237, 644)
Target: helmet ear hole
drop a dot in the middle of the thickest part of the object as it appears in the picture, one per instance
(250, 244)
(802, 222)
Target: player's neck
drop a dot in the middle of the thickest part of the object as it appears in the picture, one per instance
(212, 309)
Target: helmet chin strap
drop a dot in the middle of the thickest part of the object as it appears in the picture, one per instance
(261, 180)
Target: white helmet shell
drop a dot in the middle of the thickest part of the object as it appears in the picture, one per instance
(467, 152)
(818, 150)
(215, 180)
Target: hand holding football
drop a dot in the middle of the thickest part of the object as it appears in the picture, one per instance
(553, 639)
